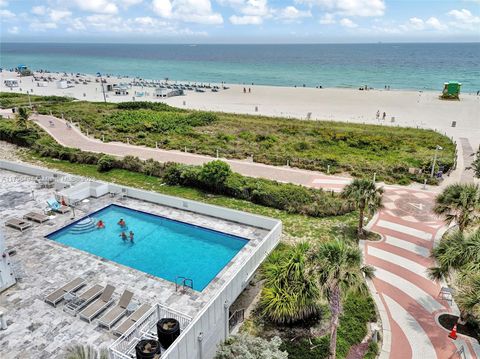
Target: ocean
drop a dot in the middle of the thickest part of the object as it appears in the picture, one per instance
(400, 66)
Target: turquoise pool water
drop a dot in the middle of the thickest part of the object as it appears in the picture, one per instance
(162, 247)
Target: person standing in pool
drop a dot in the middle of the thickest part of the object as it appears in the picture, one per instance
(131, 236)
(124, 236)
(122, 223)
(100, 224)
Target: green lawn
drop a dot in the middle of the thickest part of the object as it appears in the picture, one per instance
(357, 149)
(295, 226)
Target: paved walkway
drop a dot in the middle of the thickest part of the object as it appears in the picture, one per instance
(409, 297)
(468, 157)
(74, 138)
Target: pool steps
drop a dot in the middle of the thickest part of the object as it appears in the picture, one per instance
(84, 226)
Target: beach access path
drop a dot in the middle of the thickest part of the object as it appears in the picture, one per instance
(72, 137)
(407, 299)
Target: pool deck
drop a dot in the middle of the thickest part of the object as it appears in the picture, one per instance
(36, 329)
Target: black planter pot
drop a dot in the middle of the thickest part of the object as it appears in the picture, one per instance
(168, 329)
(147, 349)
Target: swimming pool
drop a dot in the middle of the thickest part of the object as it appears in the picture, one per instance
(162, 247)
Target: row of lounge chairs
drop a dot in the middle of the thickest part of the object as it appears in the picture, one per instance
(96, 300)
(23, 224)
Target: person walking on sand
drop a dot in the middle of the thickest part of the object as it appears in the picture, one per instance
(249, 90)
(384, 116)
(377, 116)
(244, 90)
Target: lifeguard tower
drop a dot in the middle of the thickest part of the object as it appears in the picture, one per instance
(451, 90)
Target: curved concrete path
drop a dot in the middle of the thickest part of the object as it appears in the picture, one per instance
(72, 137)
(408, 299)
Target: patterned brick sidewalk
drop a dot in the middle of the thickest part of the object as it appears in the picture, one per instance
(410, 298)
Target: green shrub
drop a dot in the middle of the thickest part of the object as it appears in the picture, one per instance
(19, 135)
(248, 346)
(214, 174)
(106, 163)
(357, 310)
(131, 163)
(303, 348)
(145, 105)
(200, 118)
(372, 351)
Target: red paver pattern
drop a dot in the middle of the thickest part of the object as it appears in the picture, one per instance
(412, 209)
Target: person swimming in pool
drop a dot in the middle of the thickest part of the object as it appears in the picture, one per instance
(122, 223)
(124, 236)
(131, 236)
(100, 224)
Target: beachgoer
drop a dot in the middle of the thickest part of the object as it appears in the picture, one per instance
(244, 90)
(100, 224)
(249, 90)
(63, 202)
(383, 116)
(123, 236)
(378, 114)
(131, 236)
(122, 223)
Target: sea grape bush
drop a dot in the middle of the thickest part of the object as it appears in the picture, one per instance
(249, 347)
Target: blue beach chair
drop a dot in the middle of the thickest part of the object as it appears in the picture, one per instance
(57, 207)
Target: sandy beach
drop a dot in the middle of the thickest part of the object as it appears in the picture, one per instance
(402, 108)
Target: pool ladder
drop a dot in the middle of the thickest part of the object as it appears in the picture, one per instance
(183, 282)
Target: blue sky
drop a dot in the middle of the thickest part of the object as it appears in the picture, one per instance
(240, 21)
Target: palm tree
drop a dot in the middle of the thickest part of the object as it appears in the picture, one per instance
(22, 117)
(340, 271)
(459, 203)
(459, 254)
(468, 294)
(290, 293)
(366, 197)
(455, 252)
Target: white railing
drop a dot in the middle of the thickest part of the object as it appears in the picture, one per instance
(211, 325)
(145, 328)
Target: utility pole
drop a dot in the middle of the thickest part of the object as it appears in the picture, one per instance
(435, 160)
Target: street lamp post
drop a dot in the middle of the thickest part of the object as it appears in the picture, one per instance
(435, 160)
(103, 88)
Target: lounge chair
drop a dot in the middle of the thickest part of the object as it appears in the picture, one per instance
(18, 223)
(117, 312)
(83, 299)
(37, 217)
(57, 296)
(57, 207)
(132, 319)
(99, 305)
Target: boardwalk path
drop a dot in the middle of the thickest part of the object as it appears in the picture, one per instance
(406, 297)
